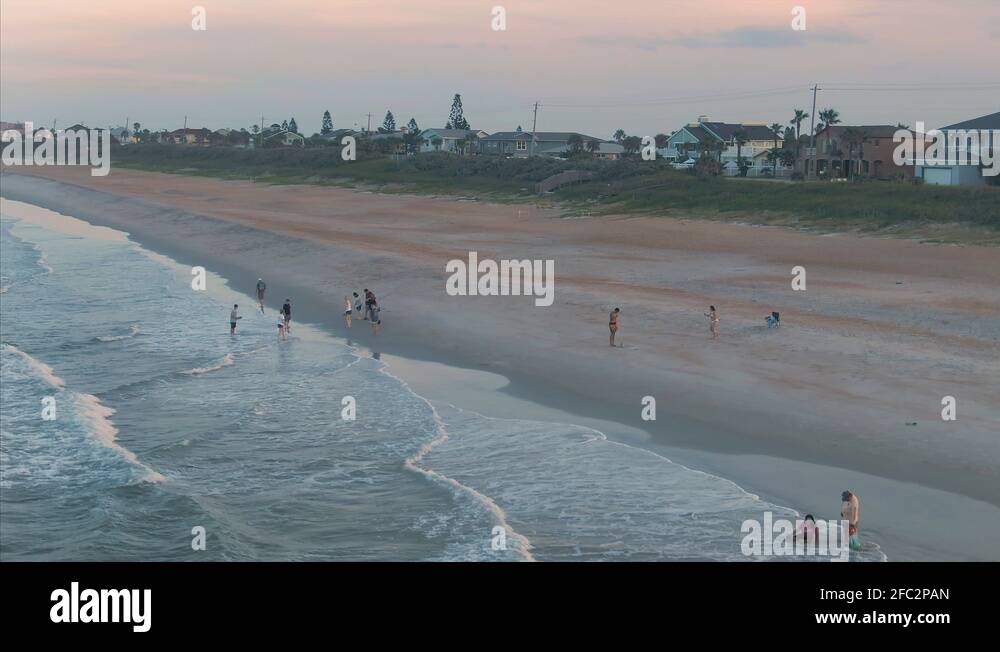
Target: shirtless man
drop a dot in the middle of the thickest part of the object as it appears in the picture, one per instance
(261, 286)
(613, 323)
(850, 511)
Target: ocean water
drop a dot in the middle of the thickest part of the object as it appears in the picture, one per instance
(165, 423)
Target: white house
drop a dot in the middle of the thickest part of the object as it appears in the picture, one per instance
(286, 138)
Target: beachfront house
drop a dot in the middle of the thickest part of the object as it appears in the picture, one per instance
(720, 140)
(284, 138)
(964, 172)
(556, 144)
(451, 140)
(189, 136)
(854, 151)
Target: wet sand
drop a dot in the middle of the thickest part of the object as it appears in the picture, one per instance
(885, 329)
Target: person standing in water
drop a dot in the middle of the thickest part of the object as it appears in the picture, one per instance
(234, 316)
(347, 310)
(376, 319)
(371, 304)
(281, 327)
(286, 313)
(613, 323)
(713, 322)
(850, 511)
(261, 286)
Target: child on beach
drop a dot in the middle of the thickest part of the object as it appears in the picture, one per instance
(347, 310)
(281, 328)
(613, 323)
(713, 319)
(234, 316)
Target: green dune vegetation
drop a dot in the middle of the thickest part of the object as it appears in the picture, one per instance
(626, 186)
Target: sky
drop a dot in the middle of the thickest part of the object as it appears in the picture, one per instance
(646, 66)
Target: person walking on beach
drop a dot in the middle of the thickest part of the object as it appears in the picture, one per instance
(371, 304)
(234, 316)
(713, 320)
(850, 511)
(613, 323)
(376, 319)
(347, 310)
(282, 335)
(286, 313)
(261, 286)
(358, 304)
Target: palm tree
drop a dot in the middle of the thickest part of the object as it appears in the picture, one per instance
(800, 115)
(827, 118)
(468, 142)
(661, 140)
(593, 146)
(854, 138)
(778, 131)
(575, 143)
(741, 138)
(619, 136)
(632, 144)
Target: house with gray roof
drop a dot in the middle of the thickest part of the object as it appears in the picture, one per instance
(979, 136)
(692, 139)
(451, 140)
(520, 144)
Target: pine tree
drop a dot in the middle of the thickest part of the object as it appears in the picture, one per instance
(412, 125)
(327, 127)
(284, 125)
(456, 119)
(294, 128)
(389, 124)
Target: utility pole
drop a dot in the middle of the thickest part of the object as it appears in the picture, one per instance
(369, 123)
(534, 123)
(812, 123)
(260, 139)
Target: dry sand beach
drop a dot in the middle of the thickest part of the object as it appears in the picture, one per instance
(846, 394)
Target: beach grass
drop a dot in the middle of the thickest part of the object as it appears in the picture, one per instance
(931, 213)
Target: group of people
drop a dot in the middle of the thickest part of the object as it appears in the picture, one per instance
(712, 314)
(773, 321)
(372, 312)
(850, 511)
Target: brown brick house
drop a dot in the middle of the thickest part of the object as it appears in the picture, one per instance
(847, 151)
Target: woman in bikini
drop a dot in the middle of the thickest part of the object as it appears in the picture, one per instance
(713, 319)
(613, 323)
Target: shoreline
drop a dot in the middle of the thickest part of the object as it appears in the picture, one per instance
(699, 444)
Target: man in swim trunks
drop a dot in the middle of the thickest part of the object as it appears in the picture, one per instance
(613, 323)
(234, 316)
(850, 511)
(261, 286)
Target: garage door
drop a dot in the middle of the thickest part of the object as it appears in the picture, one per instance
(937, 176)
